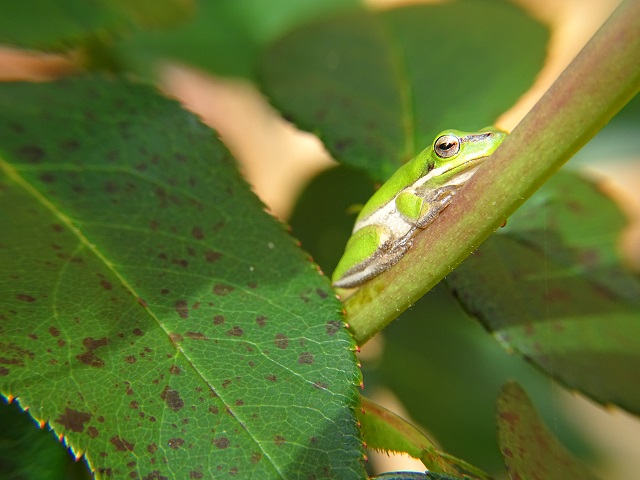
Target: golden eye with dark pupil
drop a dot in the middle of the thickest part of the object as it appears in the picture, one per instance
(447, 146)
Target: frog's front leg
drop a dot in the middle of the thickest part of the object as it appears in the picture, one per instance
(420, 209)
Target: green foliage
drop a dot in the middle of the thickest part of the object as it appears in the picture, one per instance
(376, 96)
(551, 287)
(68, 24)
(152, 313)
(163, 326)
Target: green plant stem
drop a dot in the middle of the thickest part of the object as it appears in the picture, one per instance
(594, 87)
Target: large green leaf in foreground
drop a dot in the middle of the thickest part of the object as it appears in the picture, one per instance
(551, 286)
(378, 87)
(149, 309)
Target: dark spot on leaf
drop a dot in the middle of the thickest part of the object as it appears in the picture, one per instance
(233, 471)
(239, 403)
(137, 332)
(212, 256)
(92, 432)
(313, 440)
(222, 290)
(175, 443)
(222, 442)
(134, 405)
(110, 187)
(17, 128)
(252, 285)
(165, 291)
(218, 320)
(333, 326)
(57, 228)
(152, 448)
(279, 440)
(33, 336)
(305, 358)
(193, 474)
(182, 308)
(130, 359)
(256, 457)
(261, 320)
(155, 475)
(196, 305)
(304, 296)
(226, 383)
(73, 420)
(121, 444)
(23, 297)
(54, 332)
(342, 144)
(196, 336)
(557, 295)
(69, 145)
(214, 410)
(322, 293)
(176, 337)
(31, 153)
(235, 332)
(89, 357)
(106, 285)
(282, 341)
(271, 378)
(172, 398)
(218, 226)
(182, 262)
(174, 370)
(321, 385)
(47, 178)
(197, 233)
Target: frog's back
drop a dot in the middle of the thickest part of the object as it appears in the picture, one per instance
(406, 175)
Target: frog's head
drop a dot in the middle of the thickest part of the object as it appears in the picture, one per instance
(455, 152)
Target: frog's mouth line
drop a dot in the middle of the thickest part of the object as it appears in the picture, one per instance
(477, 137)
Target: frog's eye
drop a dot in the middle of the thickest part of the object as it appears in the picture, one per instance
(447, 146)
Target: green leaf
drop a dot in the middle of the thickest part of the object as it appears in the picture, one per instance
(383, 430)
(551, 287)
(225, 38)
(150, 310)
(66, 24)
(447, 372)
(530, 450)
(378, 87)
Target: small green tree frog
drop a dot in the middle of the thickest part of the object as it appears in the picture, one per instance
(411, 199)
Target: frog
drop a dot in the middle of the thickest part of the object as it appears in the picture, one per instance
(410, 200)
